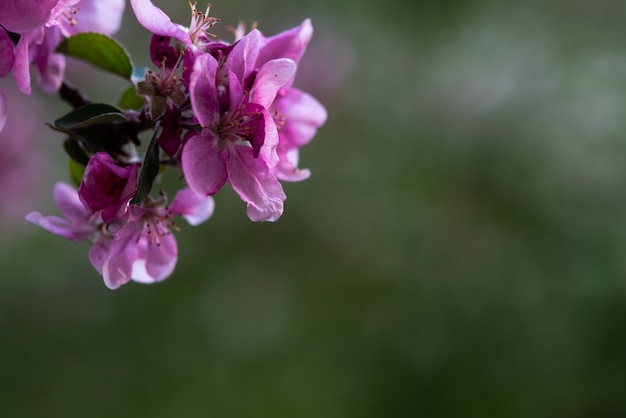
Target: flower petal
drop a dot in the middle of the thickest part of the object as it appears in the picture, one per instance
(242, 58)
(255, 184)
(123, 251)
(60, 226)
(99, 253)
(21, 70)
(287, 169)
(203, 164)
(203, 91)
(3, 110)
(68, 202)
(107, 186)
(156, 261)
(192, 206)
(50, 65)
(7, 57)
(303, 115)
(288, 44)
(98, 16)
(272, 76)
(157, 22)
(25, 15)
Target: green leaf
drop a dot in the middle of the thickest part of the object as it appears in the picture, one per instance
(90, 114)
(76, 151)
(99, 50)
(149, 171)
(130, 99)
(77, 171)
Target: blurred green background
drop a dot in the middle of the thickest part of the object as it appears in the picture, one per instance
(457, 252)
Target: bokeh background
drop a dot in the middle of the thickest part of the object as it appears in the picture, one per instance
(459, 250)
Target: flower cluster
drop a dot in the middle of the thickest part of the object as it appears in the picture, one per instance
(30, 31)
(221, 112)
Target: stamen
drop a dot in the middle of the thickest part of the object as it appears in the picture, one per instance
(201, 23)
(69, 15)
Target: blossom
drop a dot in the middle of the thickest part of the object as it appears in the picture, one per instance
(107, 187)
(144, 249)
(297, 115)
(156, 21)
(239, 136)
(26, 15)
(7, 58)
(290, 44)
(3, 110)
(141, 248)
(79, 223)
(43, 24)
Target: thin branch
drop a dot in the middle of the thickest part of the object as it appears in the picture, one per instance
(71, 95)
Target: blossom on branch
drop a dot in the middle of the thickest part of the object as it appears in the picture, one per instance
(137, 247)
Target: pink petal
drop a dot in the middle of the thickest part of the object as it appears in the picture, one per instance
(235, 91)
(255, 184)
(22, 16)
(60, 226)
(107, 187)
(156, 260)
(68, 202)
(303, 115)
(242, 58)
(203, 164)
(157, 22)
(99, 253)
(203, 92)
(3, 110)
(7, 57)
(289, 44)
(192, 206)
(98, 16)
(123, 251)
(21, 70)
(287, 169)
(50, 65)
(271, 77)
(268, 150)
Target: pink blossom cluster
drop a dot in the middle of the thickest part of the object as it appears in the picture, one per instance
(128, 241)
(249, 119)
(221, 112)
(40, 25)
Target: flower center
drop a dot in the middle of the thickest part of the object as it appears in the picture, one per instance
(245, 125)
(114, 186)
(69, 15)
(158, 220)
(63, 12)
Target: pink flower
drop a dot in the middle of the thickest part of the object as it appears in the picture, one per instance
(239, 136)
(107, 187)
(26, 15)
(297, 115)
(141, 248)
(156, 21)
(79, 224)
(43, 24)
(3, 110)
(144, 249)
(290, 44)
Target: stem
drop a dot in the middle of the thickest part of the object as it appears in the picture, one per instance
(71, 95)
